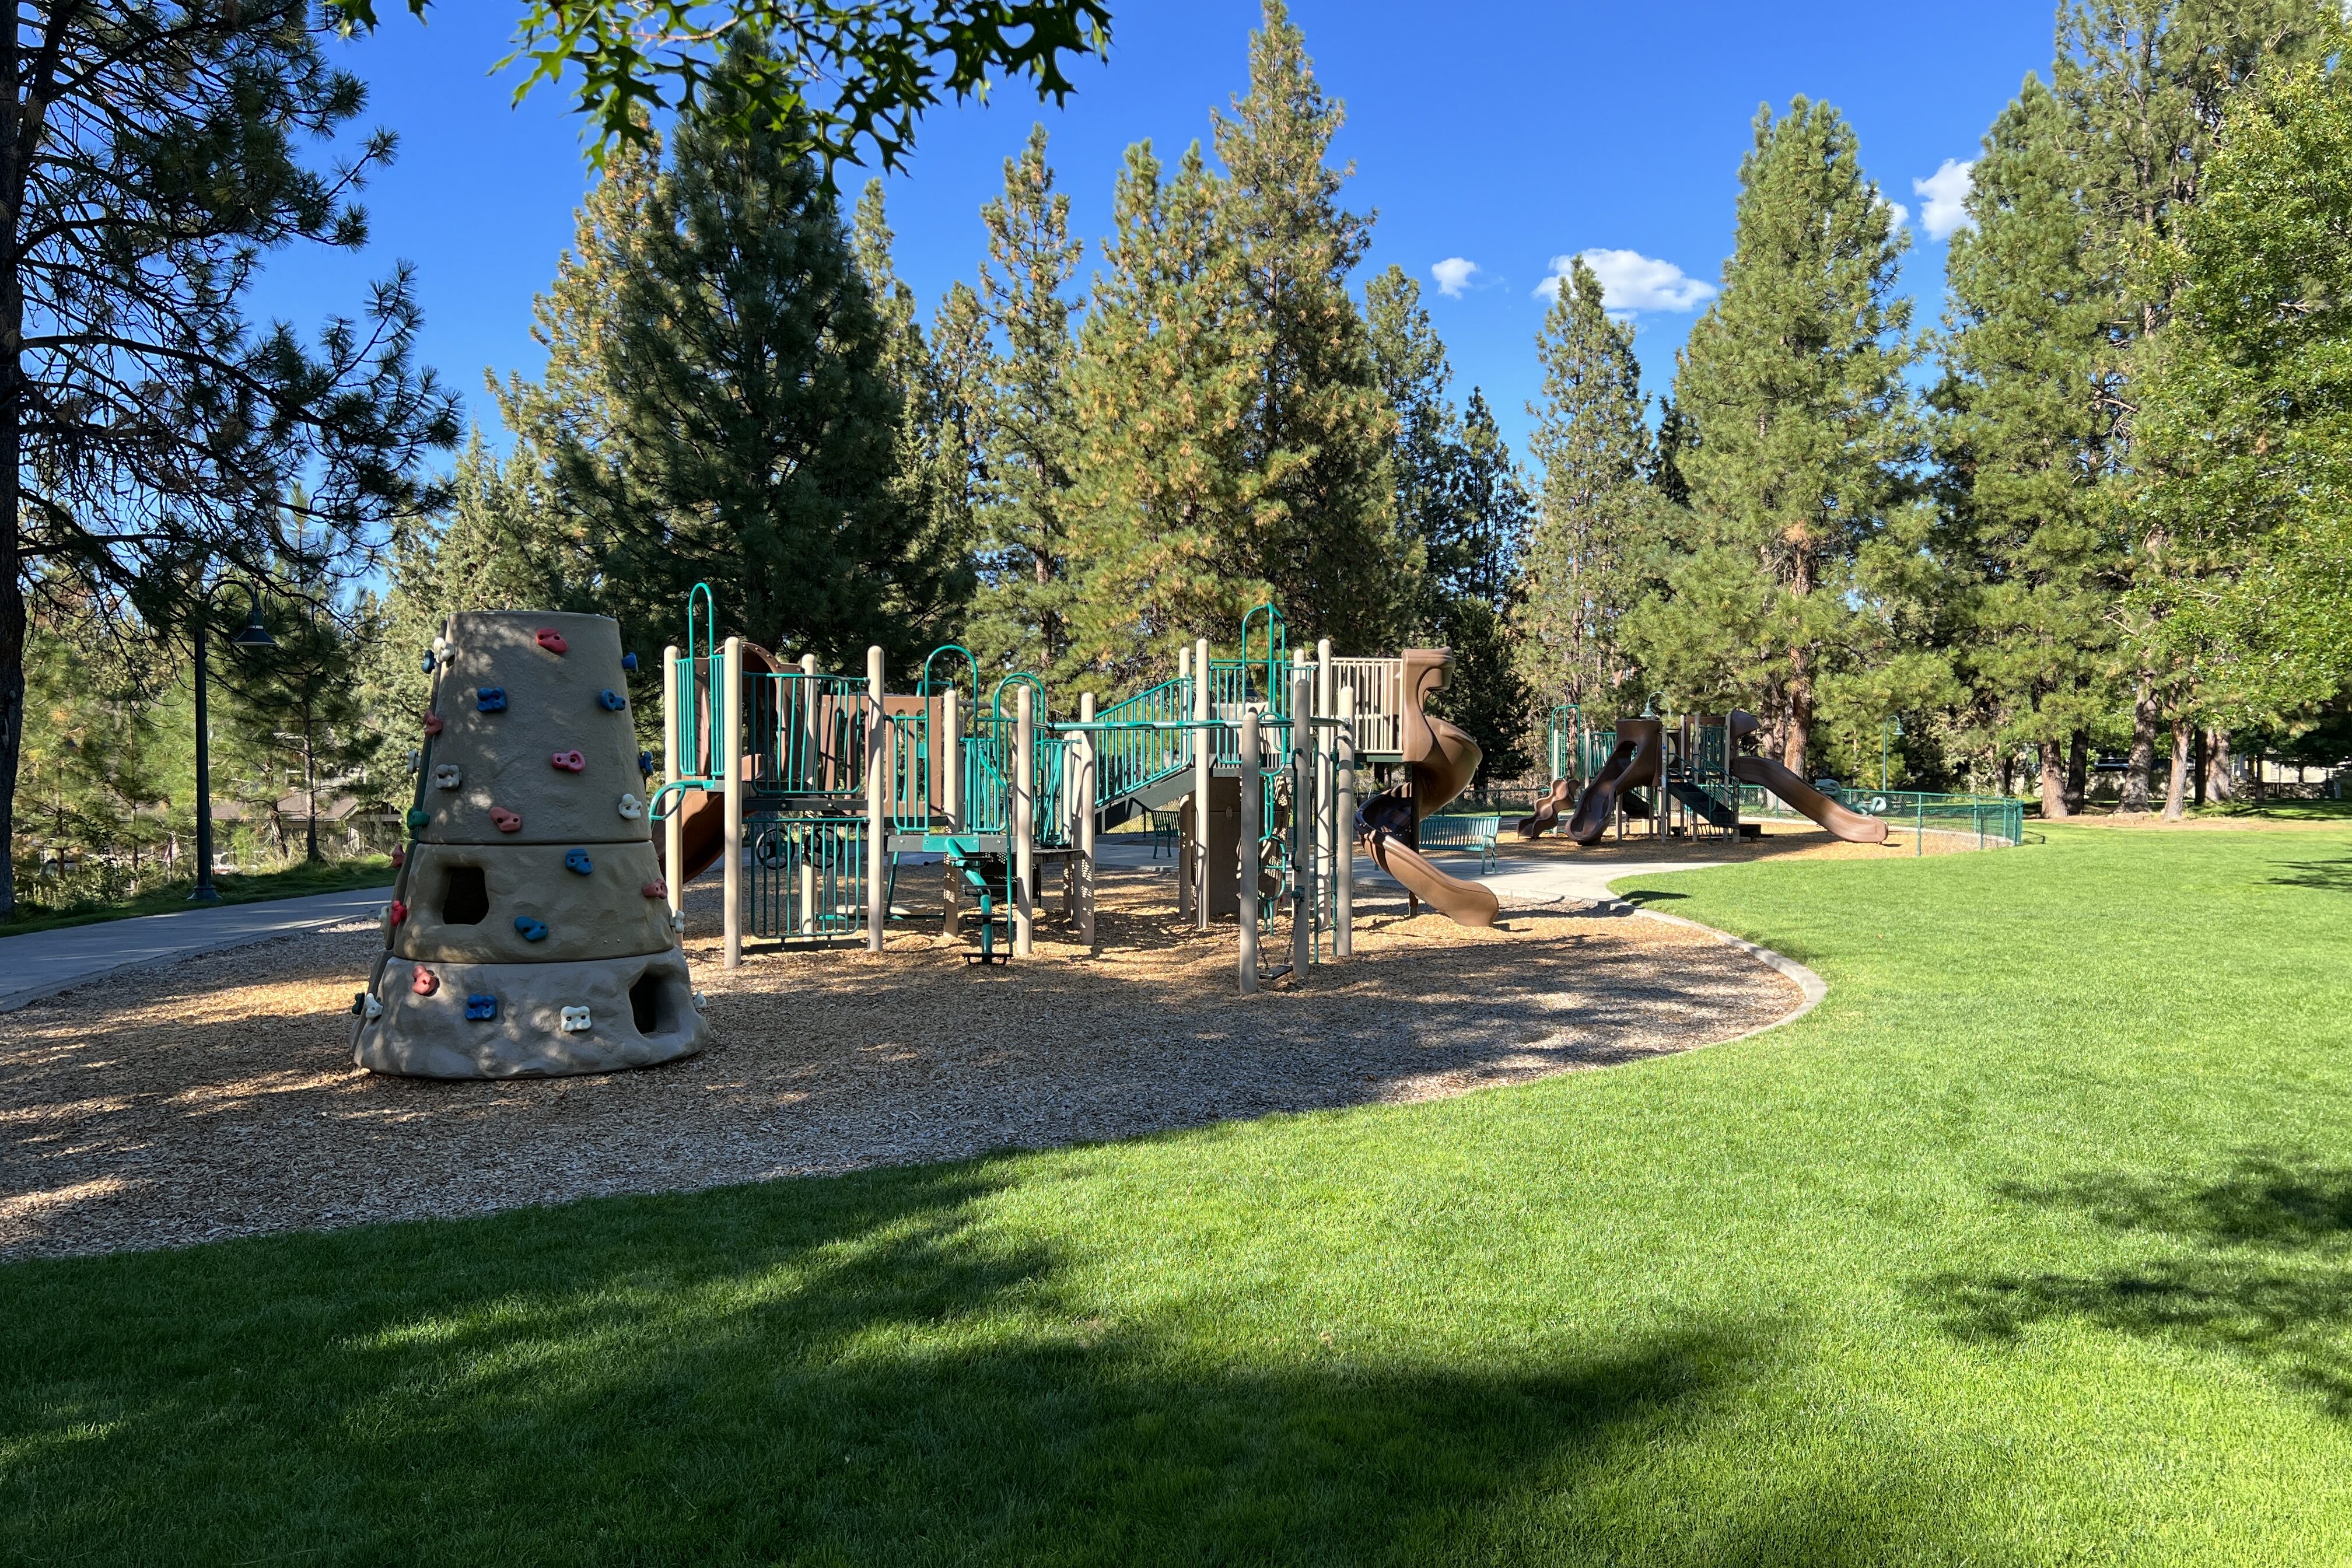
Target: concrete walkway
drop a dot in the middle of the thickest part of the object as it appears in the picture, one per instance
(44, 962)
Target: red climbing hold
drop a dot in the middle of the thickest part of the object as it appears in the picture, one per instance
(399, 911)
(433, 723)
(656, 888)
(551, 639)
(507, 820)
(427, 982)
(399, 855)
(570, 762)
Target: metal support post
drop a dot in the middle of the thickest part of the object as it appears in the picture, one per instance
(728, 764)
(1204, 761)
(1325, 839)
(877, 805)
(1085, 804)
(951, 798)
(1024, 819)
(806, 777)
(1302, 819)
(674, 829)
(1343, 840)
(1253, 795)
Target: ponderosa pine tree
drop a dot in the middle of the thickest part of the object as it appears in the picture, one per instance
(1593, 511)
(1794, 381)
(1023, 617)
(1425, 448)
(1168, 485)
(1326, 536)
(754, 430)
(2022, 445)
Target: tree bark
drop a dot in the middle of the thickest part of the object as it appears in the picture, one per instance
(2054, 782)
(2218, 782)
(12, 435)
(2078, 771)
(2142, 763)
(2177, 785)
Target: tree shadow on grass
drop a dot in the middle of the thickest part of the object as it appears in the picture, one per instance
(2326, 875)
(875, 1369)
(2255, 1264)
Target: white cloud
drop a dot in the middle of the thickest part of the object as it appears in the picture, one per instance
(1454, 275)
(1946, 191)
(1632, 281)
(1902, 214)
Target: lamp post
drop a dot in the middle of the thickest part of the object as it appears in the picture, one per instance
(253, 634)
(1893, 724)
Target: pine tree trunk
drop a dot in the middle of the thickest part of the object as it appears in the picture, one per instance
(12, 435)
(2078, 771)
(2054, 782)
(2133, 796)
(310, 792)
(2178, 783)
(2218, 782)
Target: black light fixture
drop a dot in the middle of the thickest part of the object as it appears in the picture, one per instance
(253, 634)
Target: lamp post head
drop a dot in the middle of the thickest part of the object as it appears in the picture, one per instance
(253, 634)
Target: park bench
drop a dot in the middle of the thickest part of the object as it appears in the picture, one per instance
(1469, 833)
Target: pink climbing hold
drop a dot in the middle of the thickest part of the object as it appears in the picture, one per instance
(507, 820)
(427, 982)
(570, 762)
(399, 911)
(656, 888)
(399, 855)
(433, 723)
(551, 639)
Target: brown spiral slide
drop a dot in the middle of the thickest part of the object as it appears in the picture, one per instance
(1441, 761)
(1545, 816)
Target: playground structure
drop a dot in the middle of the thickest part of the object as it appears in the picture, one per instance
(528, 933)
(1697, 777)
(810, 790)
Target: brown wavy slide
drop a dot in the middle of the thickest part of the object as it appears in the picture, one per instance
(1545, 816)
(1441, 761)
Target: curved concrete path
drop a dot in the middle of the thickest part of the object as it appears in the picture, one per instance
(44, 962)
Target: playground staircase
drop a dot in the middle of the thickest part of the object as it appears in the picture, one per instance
(1704, 803)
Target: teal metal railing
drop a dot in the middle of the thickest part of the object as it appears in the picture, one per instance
(805, 734)
(1130, 754)
(1990, 820)
(807, 877)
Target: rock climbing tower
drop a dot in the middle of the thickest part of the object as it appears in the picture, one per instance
(530, 933)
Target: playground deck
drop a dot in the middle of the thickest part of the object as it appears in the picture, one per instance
(216, 1097)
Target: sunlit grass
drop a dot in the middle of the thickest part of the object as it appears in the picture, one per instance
(2033, 1244)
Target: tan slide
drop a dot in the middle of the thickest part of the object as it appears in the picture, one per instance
(1634, 765)
(1545, 816)
(1850, 826)
(1442, 760)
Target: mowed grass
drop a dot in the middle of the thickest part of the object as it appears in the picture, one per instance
(296, 882)
(2032, 1245)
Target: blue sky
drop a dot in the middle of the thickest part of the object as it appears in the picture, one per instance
(1503, 135)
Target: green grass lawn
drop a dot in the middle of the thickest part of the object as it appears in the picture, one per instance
(245, 887)
(2032, 1245)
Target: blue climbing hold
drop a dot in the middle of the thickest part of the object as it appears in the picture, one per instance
(427, 665)
(629, 662)
(577, 860)
(646, 763)
(479, 1007)
(613, 701)
(491, 699)
(532, 931)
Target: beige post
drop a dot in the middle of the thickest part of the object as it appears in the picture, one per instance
(1303, 836)
(877, 805)
(1204, 758)
(1184, 848)
(1253, 793)
(674, 829)
(1086, 835)
(1323, 766)
(1343, 837)
(1024, 820)
(952, 799)
(726, 748)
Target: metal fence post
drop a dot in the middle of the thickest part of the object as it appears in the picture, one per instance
(726, 762)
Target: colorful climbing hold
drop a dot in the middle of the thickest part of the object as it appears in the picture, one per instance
(656, 888)
(701, 1003)
(575, 1021)
(629, 662)
(613, 701)
(646, 763)
(397, 909)
(426, 664)
(678, 922)
(448, 775)
(631, 807)
(441, 645)
(415, 761)
(577, 862)
(433, 723)
(532, 931)
(399, 855)
(551, 639)
(367, 1006)
(479, 1007)
(570, 762)
(506, 821)
(424, 982)
(490, 698)
(417, 817)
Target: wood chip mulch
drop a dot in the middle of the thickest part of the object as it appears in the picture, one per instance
(216, 1097)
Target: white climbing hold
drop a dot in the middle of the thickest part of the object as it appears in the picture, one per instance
(678, 923)
(701, 1003)
(631, 807)
(371, 1008)
(448, 775)
(575, 1021)
(440, 648)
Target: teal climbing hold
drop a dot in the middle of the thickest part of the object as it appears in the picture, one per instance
(532, 931)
